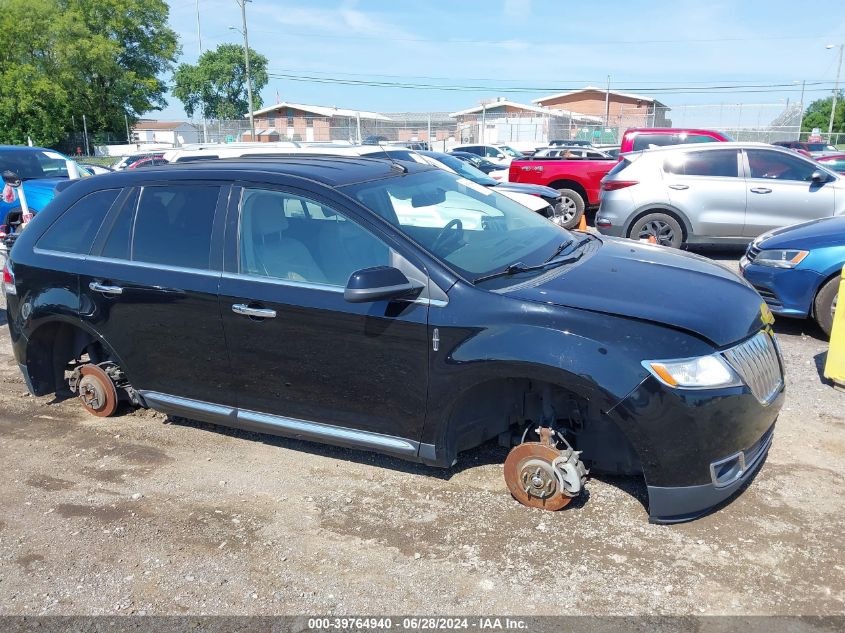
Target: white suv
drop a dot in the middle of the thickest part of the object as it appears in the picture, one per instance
(498, 154)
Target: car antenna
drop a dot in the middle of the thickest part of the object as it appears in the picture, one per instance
(395, 163)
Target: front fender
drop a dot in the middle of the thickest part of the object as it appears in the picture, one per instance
(595, 356)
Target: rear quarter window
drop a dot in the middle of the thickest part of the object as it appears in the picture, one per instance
(76, 228)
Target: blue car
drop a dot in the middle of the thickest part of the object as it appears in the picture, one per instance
(797, 269)
(41, 170)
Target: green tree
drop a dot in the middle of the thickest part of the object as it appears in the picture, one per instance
(818, 115)
(216, 85)
(60, 58)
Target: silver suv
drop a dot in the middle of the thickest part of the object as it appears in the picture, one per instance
(720, 193)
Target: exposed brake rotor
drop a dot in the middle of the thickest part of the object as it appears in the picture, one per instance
(96, 391)
(540, 475)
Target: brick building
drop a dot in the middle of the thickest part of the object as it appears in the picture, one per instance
(301, 122)
(625, 109)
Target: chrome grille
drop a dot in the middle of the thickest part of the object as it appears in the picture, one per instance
(752, 252)
(758, 364)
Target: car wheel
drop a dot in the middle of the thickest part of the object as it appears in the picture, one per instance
(825, 304)
(568, 212)
(663, 228)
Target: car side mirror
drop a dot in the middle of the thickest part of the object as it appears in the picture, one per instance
(11, 178)
(379, 283)
(818, 177)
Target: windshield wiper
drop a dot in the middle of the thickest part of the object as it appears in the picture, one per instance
(559, 249)
(519, 267)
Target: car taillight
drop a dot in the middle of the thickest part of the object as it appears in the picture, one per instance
(613, 185)
(9, 281)
(9, 195)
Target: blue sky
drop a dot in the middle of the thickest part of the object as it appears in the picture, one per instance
(554, 44)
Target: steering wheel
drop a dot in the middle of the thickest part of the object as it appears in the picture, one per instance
(443, 238)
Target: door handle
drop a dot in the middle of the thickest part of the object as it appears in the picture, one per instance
(761, 190)
(96, 286)
(679, 187)
(261, 313)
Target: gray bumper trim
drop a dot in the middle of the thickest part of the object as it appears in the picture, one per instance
(684, 503)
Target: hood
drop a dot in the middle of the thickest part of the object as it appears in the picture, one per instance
(42, 186)
(533, 190)
(657, 284)
(805, 236)
(532, 202)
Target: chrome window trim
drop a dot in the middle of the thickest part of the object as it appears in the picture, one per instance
(309, 285)
(152, 265)
(52, 253)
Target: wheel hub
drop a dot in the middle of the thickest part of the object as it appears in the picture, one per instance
(96, 390)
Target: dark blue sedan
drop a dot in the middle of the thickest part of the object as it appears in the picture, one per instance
(796, 269)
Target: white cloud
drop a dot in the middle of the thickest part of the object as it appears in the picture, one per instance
(517, 9)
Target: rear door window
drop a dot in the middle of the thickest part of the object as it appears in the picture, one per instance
(75, 229)
(721, 163)
(173, 225)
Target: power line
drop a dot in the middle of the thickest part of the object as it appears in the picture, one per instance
(724, 89)
(505, 42)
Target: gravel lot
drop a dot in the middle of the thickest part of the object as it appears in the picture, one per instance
(145, 514)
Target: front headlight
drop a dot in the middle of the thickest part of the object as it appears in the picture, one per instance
(704, 372)
(781, 258)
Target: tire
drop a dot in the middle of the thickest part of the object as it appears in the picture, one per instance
(568, 213)
(825, 303)
(662, 226)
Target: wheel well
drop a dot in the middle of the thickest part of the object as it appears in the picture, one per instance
(571, 184)
(51, 348)
(504, 407)
(670, 212)
(821, 285)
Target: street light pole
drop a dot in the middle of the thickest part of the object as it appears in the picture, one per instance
(835, 89)
(202, 106)
(246, 64)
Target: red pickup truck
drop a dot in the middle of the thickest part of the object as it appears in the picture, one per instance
(578, 180)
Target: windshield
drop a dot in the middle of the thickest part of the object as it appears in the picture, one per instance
(471, 228)
(462, 168)
(511, 152)
(34, 164)
(820, 147)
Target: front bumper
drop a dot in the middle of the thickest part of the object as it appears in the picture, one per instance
(684, 503)
(787, 291)
(698, 447)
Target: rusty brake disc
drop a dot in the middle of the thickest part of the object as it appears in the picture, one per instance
(97, 392)
(530, 474)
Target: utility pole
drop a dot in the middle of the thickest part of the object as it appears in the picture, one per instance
(358, 125)
(483, 123)
(607, 104)
(85, 131)
(126, 121)
(835, 90)
(202, 106)
(428, 139)
(246, 63)
(801, 116)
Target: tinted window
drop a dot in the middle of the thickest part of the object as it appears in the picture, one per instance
(714, 163)
(288, 237)
(74, 231)
(173, 225)
(778, 166)
(31, 164)
(117, 243)
(647, 141)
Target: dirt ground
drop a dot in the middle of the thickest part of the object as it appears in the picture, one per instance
(145, 515)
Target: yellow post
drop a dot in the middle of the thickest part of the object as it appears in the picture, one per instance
(834, 367)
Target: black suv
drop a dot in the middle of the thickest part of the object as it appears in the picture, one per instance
(398, 308)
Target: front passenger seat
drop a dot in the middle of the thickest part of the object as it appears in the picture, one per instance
(277, 255)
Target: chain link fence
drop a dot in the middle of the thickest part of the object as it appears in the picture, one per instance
(766, 122)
